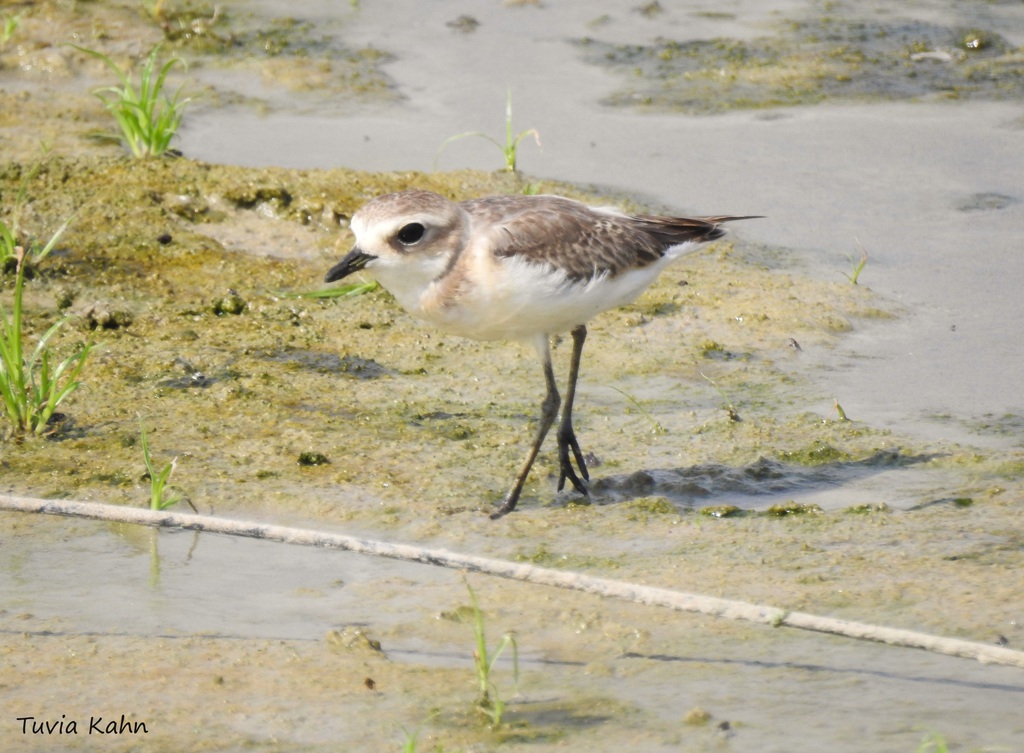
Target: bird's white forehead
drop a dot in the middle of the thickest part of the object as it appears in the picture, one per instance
(382, 216)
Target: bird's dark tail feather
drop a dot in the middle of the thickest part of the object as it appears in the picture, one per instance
(673, 230)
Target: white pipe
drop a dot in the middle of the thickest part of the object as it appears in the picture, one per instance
(683, 602)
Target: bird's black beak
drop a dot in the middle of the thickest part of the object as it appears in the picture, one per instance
(353, 262)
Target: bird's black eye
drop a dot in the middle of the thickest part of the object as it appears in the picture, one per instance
(411, 233)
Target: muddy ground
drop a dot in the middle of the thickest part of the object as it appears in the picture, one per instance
(344, 414)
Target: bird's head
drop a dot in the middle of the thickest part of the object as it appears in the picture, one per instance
(404, 240)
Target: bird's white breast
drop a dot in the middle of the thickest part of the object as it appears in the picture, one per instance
(511, 298)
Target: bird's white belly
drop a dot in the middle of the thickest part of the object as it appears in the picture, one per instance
(518, 300)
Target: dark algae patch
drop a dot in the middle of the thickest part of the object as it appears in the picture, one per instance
(830, 56)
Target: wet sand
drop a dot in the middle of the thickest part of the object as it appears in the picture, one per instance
(220, 644)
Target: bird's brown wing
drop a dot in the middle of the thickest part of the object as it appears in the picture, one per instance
(583, 242)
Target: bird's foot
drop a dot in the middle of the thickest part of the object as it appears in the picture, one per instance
(566, 442)
(568, 452)
(507, 505)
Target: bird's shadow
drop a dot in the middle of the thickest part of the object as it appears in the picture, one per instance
(746, 485)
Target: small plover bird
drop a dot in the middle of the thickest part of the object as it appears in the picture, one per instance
(518, 268)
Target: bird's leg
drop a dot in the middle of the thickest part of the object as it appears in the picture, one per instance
(566, 435)
(548, 412)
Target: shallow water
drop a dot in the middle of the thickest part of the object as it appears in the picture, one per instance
(228, 645)
(594, 674)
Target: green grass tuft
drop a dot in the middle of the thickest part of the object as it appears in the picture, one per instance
(160, 496)
(147, 116)
(858, 267)
(489, 702)
(11, 245)
(8, 27)
(31, 387)
(510, 149)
